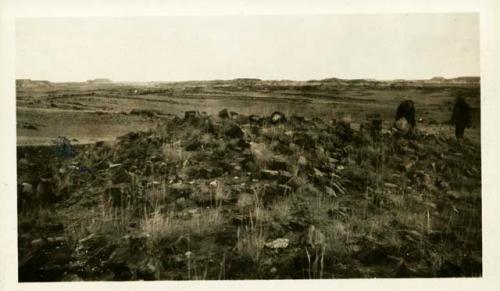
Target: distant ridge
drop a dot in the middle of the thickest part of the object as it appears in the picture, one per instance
(465, 79)
(28, 83)
(249, 82)
(99, 81)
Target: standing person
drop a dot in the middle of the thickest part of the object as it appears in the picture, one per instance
(461, 117)
(406, 110)
(405, 117)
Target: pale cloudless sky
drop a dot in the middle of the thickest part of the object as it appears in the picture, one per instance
(386, 46)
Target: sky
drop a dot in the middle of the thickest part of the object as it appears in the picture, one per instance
(179, 48)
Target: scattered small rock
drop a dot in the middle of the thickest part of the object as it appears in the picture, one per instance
(224, 113)
(318, 173)
(302, 161)
(278, 163)
(269, 174)
(330, 192)
(280, 243)
(277, 117)
(37, 242)
(233, 130)
(407, 165)
(256, 119)
(453, 194)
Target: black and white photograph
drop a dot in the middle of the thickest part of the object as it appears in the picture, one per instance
(248, 147)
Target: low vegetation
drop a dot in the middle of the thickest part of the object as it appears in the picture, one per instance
(204, 197)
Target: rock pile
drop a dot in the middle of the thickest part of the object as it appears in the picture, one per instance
(242, 163)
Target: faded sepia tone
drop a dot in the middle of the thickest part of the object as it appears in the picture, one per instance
(384, 47)
(257, 147)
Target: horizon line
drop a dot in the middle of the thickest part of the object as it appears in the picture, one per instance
(249, 78)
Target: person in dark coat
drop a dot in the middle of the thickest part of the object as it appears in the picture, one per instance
(406, 110)
(461, 117)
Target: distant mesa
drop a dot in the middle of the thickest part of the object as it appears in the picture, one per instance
(247, 81)
(251, 82)
(467, 79)
(28, 83)
(99, 81)
(459, 80)
(434, 80)
(332, 80)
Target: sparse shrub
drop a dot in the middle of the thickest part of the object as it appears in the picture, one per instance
(174, 153)
(261, 154)
(337, 181)
(369, 153)
(251, 237)
(220, 193)
(281, 210)
(168, 225)
(250, 241)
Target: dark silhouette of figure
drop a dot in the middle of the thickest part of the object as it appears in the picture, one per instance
(461, 117)
(406, 110)
(64, 148)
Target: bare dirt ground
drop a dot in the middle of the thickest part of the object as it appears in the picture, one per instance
(89, 112)
(138, 189)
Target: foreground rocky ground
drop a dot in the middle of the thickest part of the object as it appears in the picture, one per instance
(246, 197)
